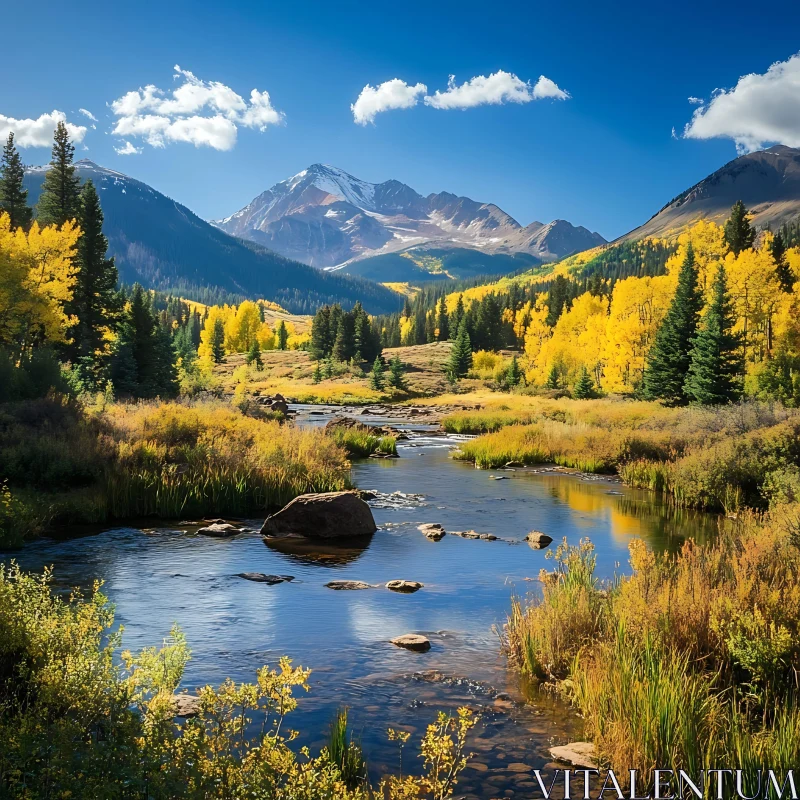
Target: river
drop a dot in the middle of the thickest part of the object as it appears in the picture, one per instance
(164, 574)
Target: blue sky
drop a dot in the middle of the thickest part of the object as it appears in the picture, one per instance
(604, 158)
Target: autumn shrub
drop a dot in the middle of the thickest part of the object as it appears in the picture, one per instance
(360, 442)
(692, 660)
(76, 721)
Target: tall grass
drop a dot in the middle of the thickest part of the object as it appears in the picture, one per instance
(691, 661)
(67, 465)
(360, 442)
(345, 753)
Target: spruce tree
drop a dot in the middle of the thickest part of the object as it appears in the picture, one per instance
(783, 272)
(254, 354)
(668, 359)
(376, 375)
(60, 197)
(283, 336)
(553, 378)
(460, 361)
(164, 370)
(13, 195)
(340, 343)
(317, 373)
(513, 373)
(94, 301)
(320, 345)
(584, 387)
(715, 369)
(739, 234)
(442, 321)
(218, 341)
(457, 315)
(396, 372)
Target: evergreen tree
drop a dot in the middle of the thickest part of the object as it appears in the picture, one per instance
(254, 354)
(584, 387)
(218, 341)
(553, 378)
(668, 360)
(340, 343)
(283, 336)
(460, 361)
(328, 367)
(420, 318)
(60, 197)
(442, 321)
(513, 373)
(488, 334)
(457, 315)
(361, 331)
(715, 369)
(430, 327)
(320, 336)
(94, 301)
(184, 347)
(739, 234)
(376, 375)
(396, 372)
(13, 195)
(783, 271)
(165, 372)
(317, 373)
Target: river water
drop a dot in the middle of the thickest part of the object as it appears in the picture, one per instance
(161, 575)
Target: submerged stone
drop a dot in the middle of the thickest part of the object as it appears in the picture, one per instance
(219, 529)
(412, 641)
(260, 577)
(348, 585)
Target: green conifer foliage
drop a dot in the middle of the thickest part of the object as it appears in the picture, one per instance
(60, 197)
(442, 321)
(218, 341)
(714, 375)
(584, 387)
(283, 336)
(739, 234)
(254, 354)
(783, 272)
(376, 378)
(460, 361)
(668, 360)
(514, 373)
(13, 195)
(553, 378)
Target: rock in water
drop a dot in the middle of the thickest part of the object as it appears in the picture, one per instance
(220, 529)
(412, 641)
(433, 530)
(326, 515)
(185, 705)
(538, 540)
(260, 577)
(404, 586)
(579, 754)
(352, 585)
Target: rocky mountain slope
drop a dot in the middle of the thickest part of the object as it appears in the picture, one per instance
(327, 218)
(768, 182)
(163, 245)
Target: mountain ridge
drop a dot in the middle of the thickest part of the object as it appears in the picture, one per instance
(330, 219)
(163, 245)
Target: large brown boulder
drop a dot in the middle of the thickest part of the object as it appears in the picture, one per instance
(326, 515)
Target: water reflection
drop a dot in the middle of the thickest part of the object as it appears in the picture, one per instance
(321, 553)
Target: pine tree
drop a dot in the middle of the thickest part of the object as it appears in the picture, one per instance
(442, 321)
(328, 367)
(584, 388)
(668, 360)
(715, 369)
(553, 378)
(460, 361)
(218, 341)
(60, 197)
(457, 315)
(165, 372)
(513, 373)
(317, 373)
(13, 195)
(783, 272)
(396, 372)
(94, 302)
(376, 375)
(339, 352)
(739, 234)
(254, 354)
(283, 336)
(320, 344)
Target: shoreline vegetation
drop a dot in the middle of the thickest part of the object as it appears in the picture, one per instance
(692, 661)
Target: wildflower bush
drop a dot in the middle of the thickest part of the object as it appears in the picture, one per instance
(76, 722)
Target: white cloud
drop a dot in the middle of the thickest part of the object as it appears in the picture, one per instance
(127, 149)
(89, 114)
(389, 95)
(546, 88)
(759, 110)
(500, 87)
(696, 101)
(38, 132)
(202, 113)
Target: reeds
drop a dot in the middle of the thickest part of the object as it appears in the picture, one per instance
(359, 442)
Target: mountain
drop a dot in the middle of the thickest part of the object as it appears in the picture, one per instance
(163, 245)
(768, 182)
(325, 217)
